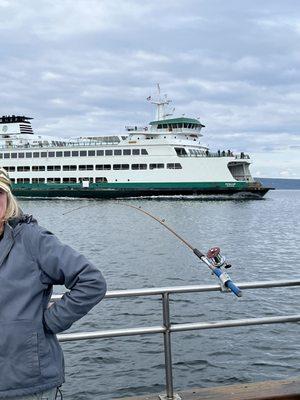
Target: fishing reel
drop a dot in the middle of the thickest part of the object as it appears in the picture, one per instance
(216, 258)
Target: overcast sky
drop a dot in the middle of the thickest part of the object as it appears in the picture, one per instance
(87, 66)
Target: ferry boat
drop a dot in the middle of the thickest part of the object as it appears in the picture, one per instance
(167, 157)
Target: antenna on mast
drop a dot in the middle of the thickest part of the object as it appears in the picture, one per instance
(161, 103)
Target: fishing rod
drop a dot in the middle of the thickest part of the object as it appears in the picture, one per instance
(213, 259)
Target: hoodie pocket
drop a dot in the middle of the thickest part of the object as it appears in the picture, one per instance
(19, 361)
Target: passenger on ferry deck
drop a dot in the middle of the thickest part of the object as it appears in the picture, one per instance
(32, 260)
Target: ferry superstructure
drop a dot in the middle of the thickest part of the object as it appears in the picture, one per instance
(166, 157)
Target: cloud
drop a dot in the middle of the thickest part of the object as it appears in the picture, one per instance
(87, 66)
(51, 76)
(60, 19)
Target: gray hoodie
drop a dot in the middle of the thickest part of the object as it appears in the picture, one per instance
(32, 259)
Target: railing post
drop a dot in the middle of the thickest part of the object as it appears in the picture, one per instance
(167, 350)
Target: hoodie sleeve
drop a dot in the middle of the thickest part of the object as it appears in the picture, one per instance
(62, 265)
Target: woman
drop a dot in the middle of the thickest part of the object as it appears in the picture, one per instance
(32, 260)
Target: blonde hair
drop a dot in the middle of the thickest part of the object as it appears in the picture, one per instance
(12, 209)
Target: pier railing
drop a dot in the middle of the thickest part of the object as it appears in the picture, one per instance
(167, 328)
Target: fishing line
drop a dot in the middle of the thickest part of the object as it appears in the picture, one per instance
(74, 209)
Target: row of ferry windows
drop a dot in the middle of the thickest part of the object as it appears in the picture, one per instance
(76, 153)
(179, 125)
(91, 167)
(59, 180)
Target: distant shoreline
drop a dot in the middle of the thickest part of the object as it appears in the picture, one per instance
(280, 183)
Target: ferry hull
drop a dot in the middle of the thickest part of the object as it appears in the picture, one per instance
(139, 190)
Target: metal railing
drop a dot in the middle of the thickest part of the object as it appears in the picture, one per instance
(52, 147)
(210, 154)
(167, 328)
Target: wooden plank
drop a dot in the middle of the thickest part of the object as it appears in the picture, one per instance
(268, 390)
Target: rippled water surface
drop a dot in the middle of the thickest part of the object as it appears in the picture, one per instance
(260, 238)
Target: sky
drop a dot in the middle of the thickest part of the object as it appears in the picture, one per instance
(85, 67)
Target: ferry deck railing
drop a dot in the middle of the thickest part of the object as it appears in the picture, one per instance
(217, 155)
(167, 328)
(52, 147)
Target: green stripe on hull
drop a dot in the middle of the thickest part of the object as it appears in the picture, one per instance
(128, 189)
(133, 185)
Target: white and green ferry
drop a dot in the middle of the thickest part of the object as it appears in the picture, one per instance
(165, 158)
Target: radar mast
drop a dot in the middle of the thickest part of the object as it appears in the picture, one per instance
(161, 103)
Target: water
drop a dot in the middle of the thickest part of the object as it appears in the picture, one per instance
(261, 239)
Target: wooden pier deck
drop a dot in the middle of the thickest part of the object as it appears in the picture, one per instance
(268, 390)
